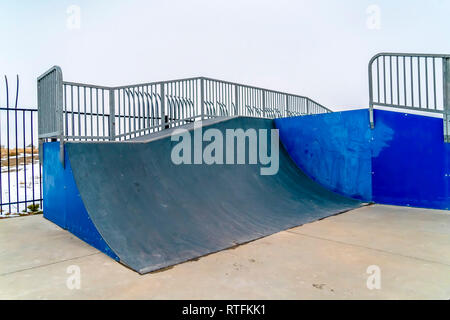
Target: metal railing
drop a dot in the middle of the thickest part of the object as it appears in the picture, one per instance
(418, 82)
(97, 113)
(20, 177)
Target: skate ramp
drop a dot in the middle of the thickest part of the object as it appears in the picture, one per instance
(154, 214)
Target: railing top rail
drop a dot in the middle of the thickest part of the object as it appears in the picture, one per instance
(87, 85)
(414, 55)
(190, 79)
(52, 69)
(264, 89)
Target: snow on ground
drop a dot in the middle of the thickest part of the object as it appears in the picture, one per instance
(21, 183)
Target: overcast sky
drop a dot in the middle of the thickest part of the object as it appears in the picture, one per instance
(315, 48)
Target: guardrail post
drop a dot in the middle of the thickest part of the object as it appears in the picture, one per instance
(372, 124)
(112, 116)
(446, 75)
(202, 98)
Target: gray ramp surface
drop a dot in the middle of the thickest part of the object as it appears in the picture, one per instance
(155, 214)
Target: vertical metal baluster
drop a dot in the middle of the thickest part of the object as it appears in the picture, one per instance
(178, 95)
(171, 104)
(148, 110)
(85, 113)
(24, 157)
(136, 93)
(186, 100)
(79, 114)
(202, 98)
(103, 112)
(97, 112)
(163, 105)
(390, 79)
(183, 102)
(17, 149)
(404, 81)
(230, 99)
(412, 82)
(7, 144)
(112, 115)
(71, 111)
(92, 115)
(384, 78)
(446, 97)
(176, 104)
(434, 83)
(127, 91)
(133, 96)
(236, 99)
(157, 105)
(145, 117)
(419, 82)
(32, 166)
(246, 101)
(426, 80)
(220, 84)
(215, 99)
(398, 82)
(120, 113)
(225, 98)
(378, 79)
(66, 117)
(209, 98)
(193, 100)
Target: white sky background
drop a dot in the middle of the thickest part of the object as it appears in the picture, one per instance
(315, 48)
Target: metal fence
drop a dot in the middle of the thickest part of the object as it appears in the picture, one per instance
(99, 113)
(419, 82)
(20, 179)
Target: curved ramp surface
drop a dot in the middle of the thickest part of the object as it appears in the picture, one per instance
(153, 213)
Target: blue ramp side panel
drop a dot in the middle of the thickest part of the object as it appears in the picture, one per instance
(412, 169)
(62, 202)
(333, 149)
(53, 180)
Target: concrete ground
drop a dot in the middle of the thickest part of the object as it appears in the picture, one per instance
(327, 259)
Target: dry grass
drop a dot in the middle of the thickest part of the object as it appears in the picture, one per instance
(13, 161)
(13, 152)
(19, 156)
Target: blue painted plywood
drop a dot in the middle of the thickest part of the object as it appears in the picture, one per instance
(333, 149)
(403, 161)
(412, 168)
(62, 201)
